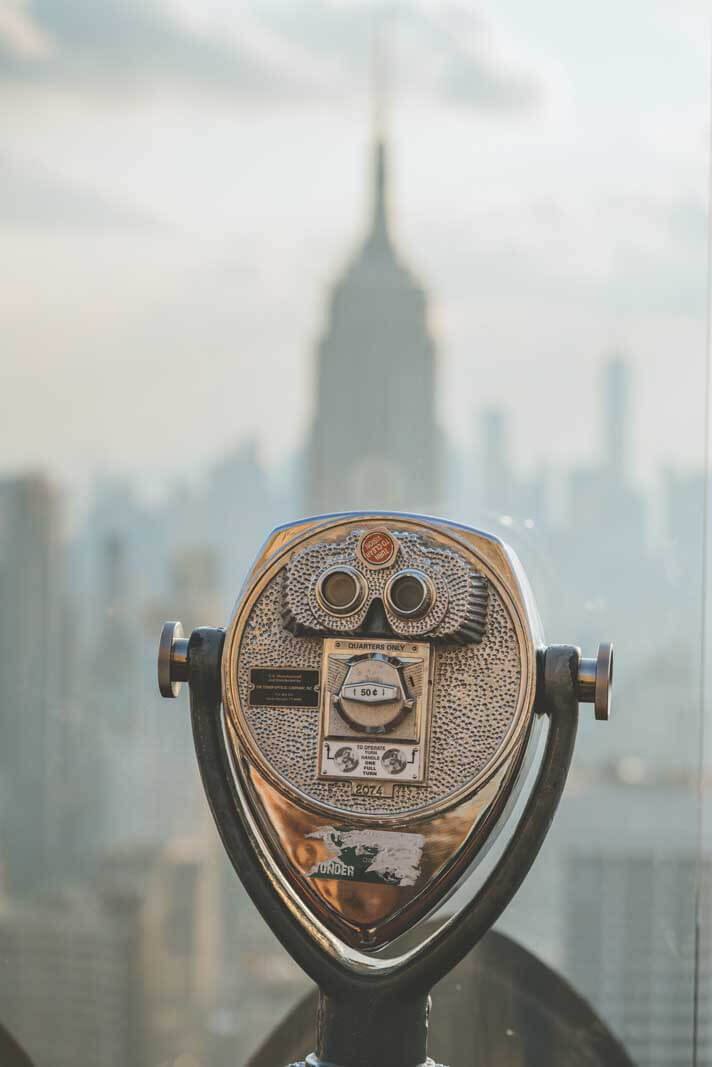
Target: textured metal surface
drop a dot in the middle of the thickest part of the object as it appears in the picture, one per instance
(476, 696)
(459, 605)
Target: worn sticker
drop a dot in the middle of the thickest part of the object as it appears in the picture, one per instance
(384, 856)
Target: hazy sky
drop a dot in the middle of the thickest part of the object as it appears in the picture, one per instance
(180, 180)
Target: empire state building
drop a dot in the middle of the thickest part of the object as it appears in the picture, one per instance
(374, 440)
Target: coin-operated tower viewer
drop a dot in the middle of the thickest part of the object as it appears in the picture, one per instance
(363, 727)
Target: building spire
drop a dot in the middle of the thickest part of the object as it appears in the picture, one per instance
(379, 216)
(379, 221)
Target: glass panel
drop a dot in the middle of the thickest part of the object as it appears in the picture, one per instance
(258, 266)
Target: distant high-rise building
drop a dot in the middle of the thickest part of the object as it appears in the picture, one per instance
(497, 488)
(374, 439)
(615, 423)
(111, 705)
(113, 666)
(71, 987)
(124, 971)
(182, 945)
(603, 499)
(496, 465)
(630, 947)
(32, 670)
(605, 549)
(683, 524)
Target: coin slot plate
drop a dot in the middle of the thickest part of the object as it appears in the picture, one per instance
(399, 753)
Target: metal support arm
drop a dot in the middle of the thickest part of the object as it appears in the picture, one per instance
(382, 1019)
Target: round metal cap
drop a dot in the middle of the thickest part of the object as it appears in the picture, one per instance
(604, 682)
(171, 632)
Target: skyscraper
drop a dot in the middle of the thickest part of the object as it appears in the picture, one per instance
(32, 672)
(71, 986)
(615, 427)
(630, 948)
(374, 439)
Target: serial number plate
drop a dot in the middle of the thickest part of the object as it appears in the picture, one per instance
(372, 789)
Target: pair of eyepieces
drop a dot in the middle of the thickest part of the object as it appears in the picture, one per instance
(342, 590)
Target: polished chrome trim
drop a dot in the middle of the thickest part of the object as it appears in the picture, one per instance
(172, 660)
(361, 590)
(594, 681)
(425, 584)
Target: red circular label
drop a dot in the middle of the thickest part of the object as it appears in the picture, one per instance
(378, 548)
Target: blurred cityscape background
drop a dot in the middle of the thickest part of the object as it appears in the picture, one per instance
(546, 383)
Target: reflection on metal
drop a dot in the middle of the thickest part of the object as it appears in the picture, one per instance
(594, 682)
(172, 659)
(371, 743)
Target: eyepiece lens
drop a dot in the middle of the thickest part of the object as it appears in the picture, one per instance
(340, 591)
(409, 594)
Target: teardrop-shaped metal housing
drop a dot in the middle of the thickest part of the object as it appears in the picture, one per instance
(373, 765)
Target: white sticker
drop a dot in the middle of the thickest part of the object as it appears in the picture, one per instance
(384, 856)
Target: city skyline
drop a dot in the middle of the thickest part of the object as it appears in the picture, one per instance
(200, 254)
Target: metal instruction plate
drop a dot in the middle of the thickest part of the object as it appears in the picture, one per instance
(375, 705)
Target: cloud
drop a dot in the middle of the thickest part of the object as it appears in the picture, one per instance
(458, 56)
(277, 51)
(20, 34)
(472, 82)
(437, 49)
(114, 43)
(677, 220)
(32, 197)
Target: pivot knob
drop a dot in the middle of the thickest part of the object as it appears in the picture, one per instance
(172, 659)
(594, 683)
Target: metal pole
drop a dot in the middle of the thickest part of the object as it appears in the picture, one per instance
(367, 1031)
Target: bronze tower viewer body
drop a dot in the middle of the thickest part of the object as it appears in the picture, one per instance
(363, 727)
